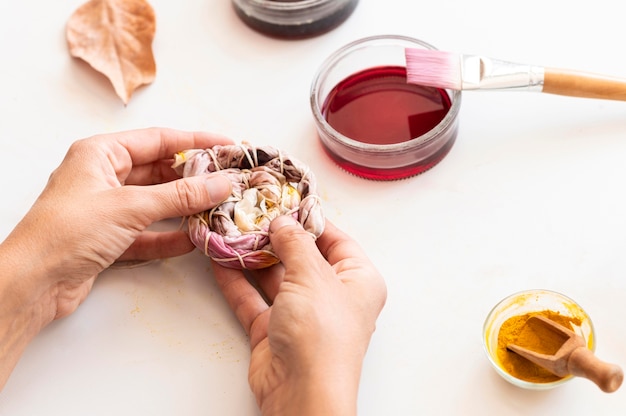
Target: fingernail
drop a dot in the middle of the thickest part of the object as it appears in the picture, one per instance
(282, 221)
(219, 187)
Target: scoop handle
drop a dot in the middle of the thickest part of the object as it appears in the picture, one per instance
(583, 363)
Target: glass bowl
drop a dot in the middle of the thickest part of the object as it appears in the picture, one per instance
(532, 301)
(364, 68)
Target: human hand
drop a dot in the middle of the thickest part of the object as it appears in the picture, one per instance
(308, 346)
(93, 211)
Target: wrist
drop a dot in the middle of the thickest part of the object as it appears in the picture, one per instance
(322, 392)
(25, 307)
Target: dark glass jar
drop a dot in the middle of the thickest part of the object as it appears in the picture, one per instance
(294, 19)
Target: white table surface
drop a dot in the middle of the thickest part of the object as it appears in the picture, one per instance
(531, 196)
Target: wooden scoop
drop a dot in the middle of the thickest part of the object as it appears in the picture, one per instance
(572, 357)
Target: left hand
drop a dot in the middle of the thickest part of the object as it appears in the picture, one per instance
(96, 207)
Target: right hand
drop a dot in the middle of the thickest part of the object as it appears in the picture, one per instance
(308, 346)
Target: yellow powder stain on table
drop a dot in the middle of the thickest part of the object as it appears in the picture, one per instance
(135, 311)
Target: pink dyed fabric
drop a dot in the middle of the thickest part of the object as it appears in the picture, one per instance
(266, 183)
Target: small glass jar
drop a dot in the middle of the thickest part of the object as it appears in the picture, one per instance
(294, 19)
(374, 61)
(527, 302)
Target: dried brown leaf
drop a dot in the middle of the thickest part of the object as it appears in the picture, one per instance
(115, 38)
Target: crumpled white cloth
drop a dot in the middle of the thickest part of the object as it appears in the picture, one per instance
(266, 183)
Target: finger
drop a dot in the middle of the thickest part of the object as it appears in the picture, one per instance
(244, 300)
(352, 265)
(158, 172)
(297, 251)
(269, 280)
(182, 197)
(129, 149)
(148, 145)
(336, 245)
(158, 245)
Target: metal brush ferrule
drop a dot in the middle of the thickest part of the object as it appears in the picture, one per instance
(478, 72)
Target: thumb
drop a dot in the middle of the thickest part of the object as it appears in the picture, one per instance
(296, 249)
(185, 196)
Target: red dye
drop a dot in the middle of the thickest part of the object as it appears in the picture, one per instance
(378, 106)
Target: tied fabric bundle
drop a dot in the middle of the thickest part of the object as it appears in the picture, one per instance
(266, 183)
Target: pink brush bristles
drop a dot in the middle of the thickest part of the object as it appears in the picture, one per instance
(433, 68)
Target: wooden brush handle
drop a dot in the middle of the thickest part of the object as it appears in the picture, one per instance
(583, 84)
(583, 363)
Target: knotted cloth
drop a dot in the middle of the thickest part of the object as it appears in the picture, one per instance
(266, 183)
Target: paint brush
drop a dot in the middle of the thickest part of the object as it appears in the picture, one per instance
(448, 70)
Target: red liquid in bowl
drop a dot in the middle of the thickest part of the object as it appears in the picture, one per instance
(377, 106)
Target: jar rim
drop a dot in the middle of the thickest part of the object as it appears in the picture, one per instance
(297, 5)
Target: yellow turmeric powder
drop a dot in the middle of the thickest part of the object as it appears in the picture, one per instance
(515, 331)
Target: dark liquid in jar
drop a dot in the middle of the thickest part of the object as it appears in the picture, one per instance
(278, 24)
(378, 106)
